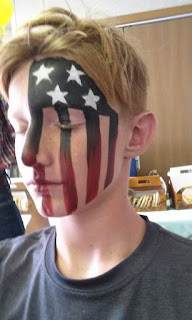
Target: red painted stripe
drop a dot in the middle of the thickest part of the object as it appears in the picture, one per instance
(94, 171)
(47, 203)
(46, 199)
(69, 187)
(93, 154)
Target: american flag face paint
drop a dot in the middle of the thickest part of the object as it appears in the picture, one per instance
(63, 86)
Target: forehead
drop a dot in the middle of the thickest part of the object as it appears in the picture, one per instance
(57, 82)
(61, 82)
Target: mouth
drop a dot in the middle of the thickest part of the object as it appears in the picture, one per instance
(43, 183)
(43, 188)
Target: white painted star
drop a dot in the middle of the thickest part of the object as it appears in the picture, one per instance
(57, 95)
(91, 99)
(75, 74)
(42, 73)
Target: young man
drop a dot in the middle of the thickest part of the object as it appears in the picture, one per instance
(77, 96)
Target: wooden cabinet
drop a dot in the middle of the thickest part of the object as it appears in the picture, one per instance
(166, 47)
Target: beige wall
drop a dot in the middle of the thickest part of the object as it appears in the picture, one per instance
(167, 49)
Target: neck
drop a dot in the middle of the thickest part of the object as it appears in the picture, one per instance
(94, 241)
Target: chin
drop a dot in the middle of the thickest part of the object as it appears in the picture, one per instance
(47, 207)
(58, 211)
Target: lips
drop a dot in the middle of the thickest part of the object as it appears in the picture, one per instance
(43, 182)
(45, 188)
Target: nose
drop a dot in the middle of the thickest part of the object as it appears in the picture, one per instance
(36, 149)
(28, 155)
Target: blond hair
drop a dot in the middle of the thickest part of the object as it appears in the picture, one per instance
(101, 50)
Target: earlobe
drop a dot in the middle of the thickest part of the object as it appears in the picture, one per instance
(143, 129)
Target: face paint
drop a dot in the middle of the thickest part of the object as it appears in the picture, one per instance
(63, 84)
(93, 154)
(33, 138)
(69, 188)
(46, 201)
(113, 132)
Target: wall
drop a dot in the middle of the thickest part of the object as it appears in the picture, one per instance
(166, 48)
(24, 10)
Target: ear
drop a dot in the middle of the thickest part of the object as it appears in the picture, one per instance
(143, 128)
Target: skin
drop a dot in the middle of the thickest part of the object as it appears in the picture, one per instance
(103, 231)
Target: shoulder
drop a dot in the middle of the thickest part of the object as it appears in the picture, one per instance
(19, 248)
(22, 267)
(174, 239)
(173, 250)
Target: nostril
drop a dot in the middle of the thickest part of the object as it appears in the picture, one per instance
(28, 157)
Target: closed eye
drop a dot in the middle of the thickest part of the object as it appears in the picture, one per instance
(69, 125)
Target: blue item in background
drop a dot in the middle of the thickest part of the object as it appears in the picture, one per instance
(133, 169)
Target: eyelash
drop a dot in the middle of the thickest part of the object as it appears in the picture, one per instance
(66, 126)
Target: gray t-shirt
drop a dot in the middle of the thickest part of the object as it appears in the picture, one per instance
(153, 283)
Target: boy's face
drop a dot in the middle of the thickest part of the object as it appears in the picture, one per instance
(67, 138)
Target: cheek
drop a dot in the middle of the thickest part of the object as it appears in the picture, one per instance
(92, 159)
(120, 151)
